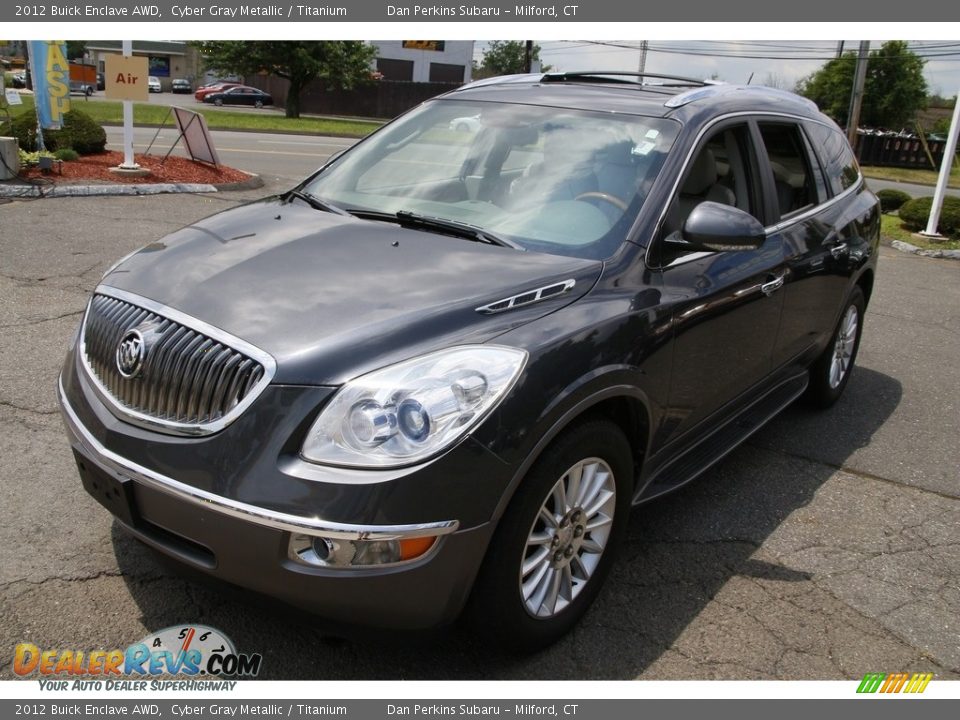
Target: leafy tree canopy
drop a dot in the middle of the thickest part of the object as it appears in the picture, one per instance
(339, 64)
(895, 87)
(505, 57)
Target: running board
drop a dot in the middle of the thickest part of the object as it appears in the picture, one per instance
(722, 441)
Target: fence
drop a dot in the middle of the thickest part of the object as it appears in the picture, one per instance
(897, 151)
(379, 99)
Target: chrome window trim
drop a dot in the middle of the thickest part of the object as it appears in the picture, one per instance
(115, 464)
(770, 229)
(171, 427)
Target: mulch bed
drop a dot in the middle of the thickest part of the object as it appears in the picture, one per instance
(95, 169)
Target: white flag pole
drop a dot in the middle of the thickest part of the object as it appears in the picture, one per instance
(128, 161)
(949, 152)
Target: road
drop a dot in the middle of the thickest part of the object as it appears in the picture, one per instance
(823, 549)
(911, 189)
(279, 158)
(292, 157)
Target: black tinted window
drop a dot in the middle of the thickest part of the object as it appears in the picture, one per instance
(792, 177)
(838, 159)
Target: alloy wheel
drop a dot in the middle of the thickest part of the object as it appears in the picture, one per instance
(568, 538)
(843, 346)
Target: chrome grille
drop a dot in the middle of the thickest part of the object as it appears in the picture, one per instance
(191, 382)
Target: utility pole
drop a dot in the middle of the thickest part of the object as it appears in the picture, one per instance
(528, 56)
(856, 97)
(839, 49)
(643, 56)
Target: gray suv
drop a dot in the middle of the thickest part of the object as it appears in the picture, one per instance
(438, 373)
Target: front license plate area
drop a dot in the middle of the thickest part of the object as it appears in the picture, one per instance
(116, 495)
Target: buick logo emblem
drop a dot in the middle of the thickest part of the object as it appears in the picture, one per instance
(130, 354)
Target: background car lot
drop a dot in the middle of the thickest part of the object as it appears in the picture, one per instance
(825, 548)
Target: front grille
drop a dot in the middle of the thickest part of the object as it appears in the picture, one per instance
(188, 382)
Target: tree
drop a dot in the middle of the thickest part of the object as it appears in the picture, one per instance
(895, 88)
(76, 49)
(506, 57)
(338, 64)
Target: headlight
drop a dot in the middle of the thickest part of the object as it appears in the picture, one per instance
(407, 412)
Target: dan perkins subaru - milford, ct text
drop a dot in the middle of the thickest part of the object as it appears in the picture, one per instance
(481, 11)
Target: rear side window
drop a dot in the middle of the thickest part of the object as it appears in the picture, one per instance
(838, 159)
(792, 175)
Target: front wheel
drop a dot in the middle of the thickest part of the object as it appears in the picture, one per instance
(218, 102)
(830, 374)
(556, 542)
(258, 104)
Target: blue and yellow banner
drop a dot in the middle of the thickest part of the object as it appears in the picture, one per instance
(51, 82)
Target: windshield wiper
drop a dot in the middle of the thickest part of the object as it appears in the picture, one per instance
(315, 202)
(408, 219)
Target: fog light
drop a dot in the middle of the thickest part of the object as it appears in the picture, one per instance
(321, 551)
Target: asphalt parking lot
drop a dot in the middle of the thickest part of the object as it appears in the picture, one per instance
(825, 548)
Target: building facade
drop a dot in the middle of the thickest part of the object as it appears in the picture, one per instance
(437, 61)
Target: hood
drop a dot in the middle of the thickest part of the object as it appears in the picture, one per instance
(331, 297)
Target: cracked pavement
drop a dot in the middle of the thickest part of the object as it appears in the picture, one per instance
(825, 548)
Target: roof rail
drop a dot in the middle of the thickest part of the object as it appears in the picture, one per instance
(615, 76)
(635, 78)
(690, 96)
(502, 80)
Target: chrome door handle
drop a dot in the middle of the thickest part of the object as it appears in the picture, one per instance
(769, 288)
(838, 250)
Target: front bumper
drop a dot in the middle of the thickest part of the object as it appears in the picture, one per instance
(247, 544)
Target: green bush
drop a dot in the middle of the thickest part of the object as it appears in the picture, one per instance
(66, 154)
(915, 214)
(80, 132)
(891, 200)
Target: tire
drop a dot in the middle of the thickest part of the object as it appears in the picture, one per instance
(830, 374)
(218, 102)
(527, 610)
(258, 104)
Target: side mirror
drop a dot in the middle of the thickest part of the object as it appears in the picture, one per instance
(716, 227)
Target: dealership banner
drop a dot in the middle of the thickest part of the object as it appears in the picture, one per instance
(51, 82)
(326, 11)
(585, 709)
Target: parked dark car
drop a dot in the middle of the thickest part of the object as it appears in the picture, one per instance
(438, 373)
(205, 90)
(101, 81)
(180, 86)
(239, 95)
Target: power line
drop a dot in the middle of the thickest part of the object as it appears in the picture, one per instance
(700, 52)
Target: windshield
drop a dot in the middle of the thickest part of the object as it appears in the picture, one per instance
(562, 181)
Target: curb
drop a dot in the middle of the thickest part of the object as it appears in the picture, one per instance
(44, 191)
(906, 247)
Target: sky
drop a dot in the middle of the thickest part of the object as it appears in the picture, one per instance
(779, 62)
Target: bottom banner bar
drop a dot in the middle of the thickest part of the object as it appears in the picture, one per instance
(872, 707)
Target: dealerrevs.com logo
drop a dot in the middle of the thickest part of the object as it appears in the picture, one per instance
(193, 651)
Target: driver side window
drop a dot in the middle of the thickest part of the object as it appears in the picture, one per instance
(721, 171)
